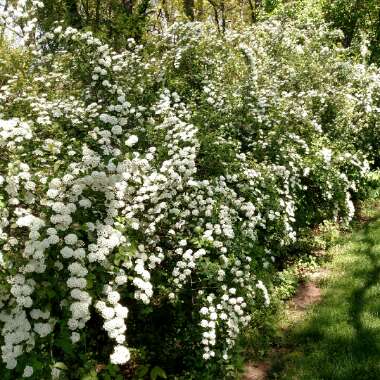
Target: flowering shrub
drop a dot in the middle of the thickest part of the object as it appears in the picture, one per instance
(146, 194)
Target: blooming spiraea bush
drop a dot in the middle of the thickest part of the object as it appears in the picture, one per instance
(147, 194)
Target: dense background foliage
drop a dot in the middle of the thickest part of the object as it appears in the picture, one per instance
(118, 20)
(156, 173)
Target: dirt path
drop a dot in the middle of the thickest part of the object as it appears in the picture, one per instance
(307, 294)
(339, 338)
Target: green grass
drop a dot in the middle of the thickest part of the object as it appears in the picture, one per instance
(340, 337)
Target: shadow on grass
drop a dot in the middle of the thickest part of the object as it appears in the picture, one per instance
(341, 338)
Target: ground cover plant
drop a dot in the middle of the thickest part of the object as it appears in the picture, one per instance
(347, 316)
(149, 193)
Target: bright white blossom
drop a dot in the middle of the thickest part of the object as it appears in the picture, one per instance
(130, 195)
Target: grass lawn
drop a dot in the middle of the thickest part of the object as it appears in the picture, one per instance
(340, 337)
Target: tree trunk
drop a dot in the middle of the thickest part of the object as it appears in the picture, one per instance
(188, 6)
(349, 31)
(73, 17)
(128, 6)
(375, 45)
(97, 15)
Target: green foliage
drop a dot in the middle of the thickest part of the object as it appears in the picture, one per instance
(172, 183)
(345, 324)
(358, 20)
(114, 20)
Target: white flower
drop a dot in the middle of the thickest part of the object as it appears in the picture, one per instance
(75, 337)
(28, 371)
(121, 311)
(51, 231)
(52, 193)
(85, 203)
(326, 153)
(132, 140)
(263, 288)
(79, 253)
(76, 282)
(120, 339)
(77, 269)
(67, 252)
(71, 239)
(108, 312)
(55, 373)
(117, 130)
(42, 329)
(121, 279)
(113, 297)
(120, 355)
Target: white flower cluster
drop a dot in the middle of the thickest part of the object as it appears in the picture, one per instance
(128, 196)
(228, 311)
(114, 317)
(17, 331)
(19, 19)
(14, 132)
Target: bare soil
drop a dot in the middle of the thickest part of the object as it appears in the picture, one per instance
(308, 293)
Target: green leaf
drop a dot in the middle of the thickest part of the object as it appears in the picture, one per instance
(90, 376)
(57, 165)
(112, 369)
(90, 281)
(142, 371)
(157, 372)
(36, 364)
(60, 365)
(65, 344)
